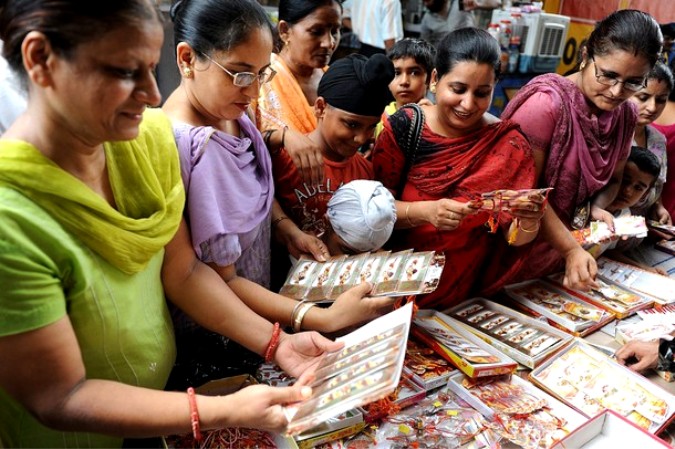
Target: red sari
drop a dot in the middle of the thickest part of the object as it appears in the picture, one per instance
(496, 156)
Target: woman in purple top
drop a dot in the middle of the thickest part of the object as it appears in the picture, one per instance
(580, 128)
(226, 167)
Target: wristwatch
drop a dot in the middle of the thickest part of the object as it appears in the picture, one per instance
(666, 355)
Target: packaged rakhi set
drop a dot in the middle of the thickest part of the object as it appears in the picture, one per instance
(561, 309)
(599, 232)
(392, 274)
(504, 201)
(659, 288)
(611, 296)
(452, 341)
(524, 339)
(368, 368)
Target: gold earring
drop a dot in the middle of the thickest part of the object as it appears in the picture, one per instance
(187, 71)
(582, 65)
(432, 88)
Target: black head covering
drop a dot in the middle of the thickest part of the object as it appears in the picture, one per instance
(358, 84)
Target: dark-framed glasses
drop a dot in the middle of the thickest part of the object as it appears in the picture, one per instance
(612, 81)
(245, 79)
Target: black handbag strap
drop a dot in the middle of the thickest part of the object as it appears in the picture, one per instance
(412, 143)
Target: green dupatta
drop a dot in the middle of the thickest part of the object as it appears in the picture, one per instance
(145, 178)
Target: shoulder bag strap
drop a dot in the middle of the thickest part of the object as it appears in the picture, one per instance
(411, 144)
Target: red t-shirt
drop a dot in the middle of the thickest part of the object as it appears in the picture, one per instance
(306, 204)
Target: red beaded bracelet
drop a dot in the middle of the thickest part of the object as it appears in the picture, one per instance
(194, 414)
(274, 342)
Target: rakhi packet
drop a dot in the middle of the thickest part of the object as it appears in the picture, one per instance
(505, 199)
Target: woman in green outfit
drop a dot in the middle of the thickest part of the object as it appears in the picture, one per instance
(92, 239)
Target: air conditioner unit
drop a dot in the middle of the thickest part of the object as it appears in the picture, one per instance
(542, 40)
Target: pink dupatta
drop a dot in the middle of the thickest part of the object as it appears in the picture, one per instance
(581, 157)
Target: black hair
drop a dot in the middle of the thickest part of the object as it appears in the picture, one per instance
(210, 25)
(66, 23)
(668, 29)
(293, 11)
(661, 72)
(467, 44)
(436, 5)
(629, 30)
(645, 160)
(420, 50)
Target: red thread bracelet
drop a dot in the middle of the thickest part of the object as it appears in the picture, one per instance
(272, 345)
(194, 414)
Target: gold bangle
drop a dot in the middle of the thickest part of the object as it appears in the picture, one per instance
(407, 217)
(295, 311)
(279, 220)
(297, 322)
(530, 231)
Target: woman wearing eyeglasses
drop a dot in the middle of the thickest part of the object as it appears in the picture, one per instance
(580, 128)
(227, 173)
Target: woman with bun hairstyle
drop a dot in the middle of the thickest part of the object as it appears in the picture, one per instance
(93, 243)
(227, 173)
(463, 151)
(352, 96)
(308, 33)
(581, 129)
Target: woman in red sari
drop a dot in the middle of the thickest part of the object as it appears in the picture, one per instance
(463, 151)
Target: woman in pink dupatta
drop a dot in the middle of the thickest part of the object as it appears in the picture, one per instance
(580, 128)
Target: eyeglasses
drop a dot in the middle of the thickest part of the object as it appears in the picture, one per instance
(612, 81)
(245, 79)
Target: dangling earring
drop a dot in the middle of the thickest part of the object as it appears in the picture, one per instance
(187, 72)
(582, 65)
(432, 88)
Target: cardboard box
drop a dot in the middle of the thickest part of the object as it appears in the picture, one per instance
(561, 309)
(523, 352)
(432, 326)
(589, 381)
(608, 430)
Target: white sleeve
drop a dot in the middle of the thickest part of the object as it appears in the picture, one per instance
(392, 19)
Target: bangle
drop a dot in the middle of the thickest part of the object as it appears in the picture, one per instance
(283, 137)
(297, 322)
(194, 414)
(295, 310)
(272, 345)
(279, 220)
(407, 217)
(535, 229)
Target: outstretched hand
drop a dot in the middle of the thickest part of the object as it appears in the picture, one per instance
(299, 354)
(580, 270)
(639, 355)
(260, 406)
(352, 308)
